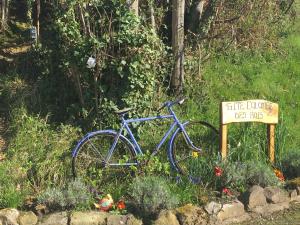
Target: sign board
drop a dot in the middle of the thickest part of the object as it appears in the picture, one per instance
(249, 111)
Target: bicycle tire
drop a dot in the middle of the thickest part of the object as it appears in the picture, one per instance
(186, 160)
(89, 156)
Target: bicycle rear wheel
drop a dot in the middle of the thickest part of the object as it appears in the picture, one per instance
(187, 160)
(90, 158)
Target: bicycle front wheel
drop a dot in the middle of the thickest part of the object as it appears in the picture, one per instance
(187, 160)
(90, 158)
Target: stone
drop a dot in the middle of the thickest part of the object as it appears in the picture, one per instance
(275, 195)
(9, 216)
(191, 215)
(231, 210)
(88, 218)
(293, 194)
(123, 220)
(166, 217)
(254, 197)
(116, 220)
(270, 208)
(131, 220)
(213, 207)
(60, 218)
(27, 218)
(298, 190)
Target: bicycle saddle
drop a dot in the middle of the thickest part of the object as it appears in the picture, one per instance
(123, 111)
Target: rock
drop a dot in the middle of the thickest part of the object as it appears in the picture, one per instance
(27, 218)
(213, 207)
(9, 216)
(123, 220)
(270, 208)
(293, 194)
(60, 218)
(116, 220)
(254, 197)
(298, 190)
(275, 195)
(166, 217)
(88, 218)
(131, 220)
(191, 215)
(231, 210)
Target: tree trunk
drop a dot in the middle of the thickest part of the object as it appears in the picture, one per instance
(38, 12)
(177, 78)
(152, 16)
(134, 6)
(196, 15)
(3, 13)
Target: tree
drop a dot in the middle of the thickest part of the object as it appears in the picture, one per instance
(134, 6)
(4, 13)
(177, 78)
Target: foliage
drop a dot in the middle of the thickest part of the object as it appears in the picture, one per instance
(40, 150)
(290, 164)
(75, 195)
(151, 194)
(151, 165)
(131, 61)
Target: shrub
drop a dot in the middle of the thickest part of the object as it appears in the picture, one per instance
(261, 174)
(75, 195)
(290, 164)
(53, 198)
(151, 194)
(240, 175)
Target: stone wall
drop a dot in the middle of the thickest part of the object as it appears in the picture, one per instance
(256, 202)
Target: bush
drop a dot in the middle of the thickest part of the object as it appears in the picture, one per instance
(240, 175)
(151, 194)
(290, 164)
(76, 195)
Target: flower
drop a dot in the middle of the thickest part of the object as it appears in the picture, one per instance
(279, 174)
(226, 191)
(218, 171)
(121, 205)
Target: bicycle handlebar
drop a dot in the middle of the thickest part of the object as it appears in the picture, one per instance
(169, 104)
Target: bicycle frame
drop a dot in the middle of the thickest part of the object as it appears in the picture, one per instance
(137, 148)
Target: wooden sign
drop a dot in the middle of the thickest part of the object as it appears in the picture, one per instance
(249, 111)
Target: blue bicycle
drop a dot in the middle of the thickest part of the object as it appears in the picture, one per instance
(109, 153)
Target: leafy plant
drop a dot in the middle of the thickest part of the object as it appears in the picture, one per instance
(151, 194)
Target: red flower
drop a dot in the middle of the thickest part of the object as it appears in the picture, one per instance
(218, 171)
(121, 205)
(226, 191)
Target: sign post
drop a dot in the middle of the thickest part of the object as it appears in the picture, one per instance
(249, 111)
